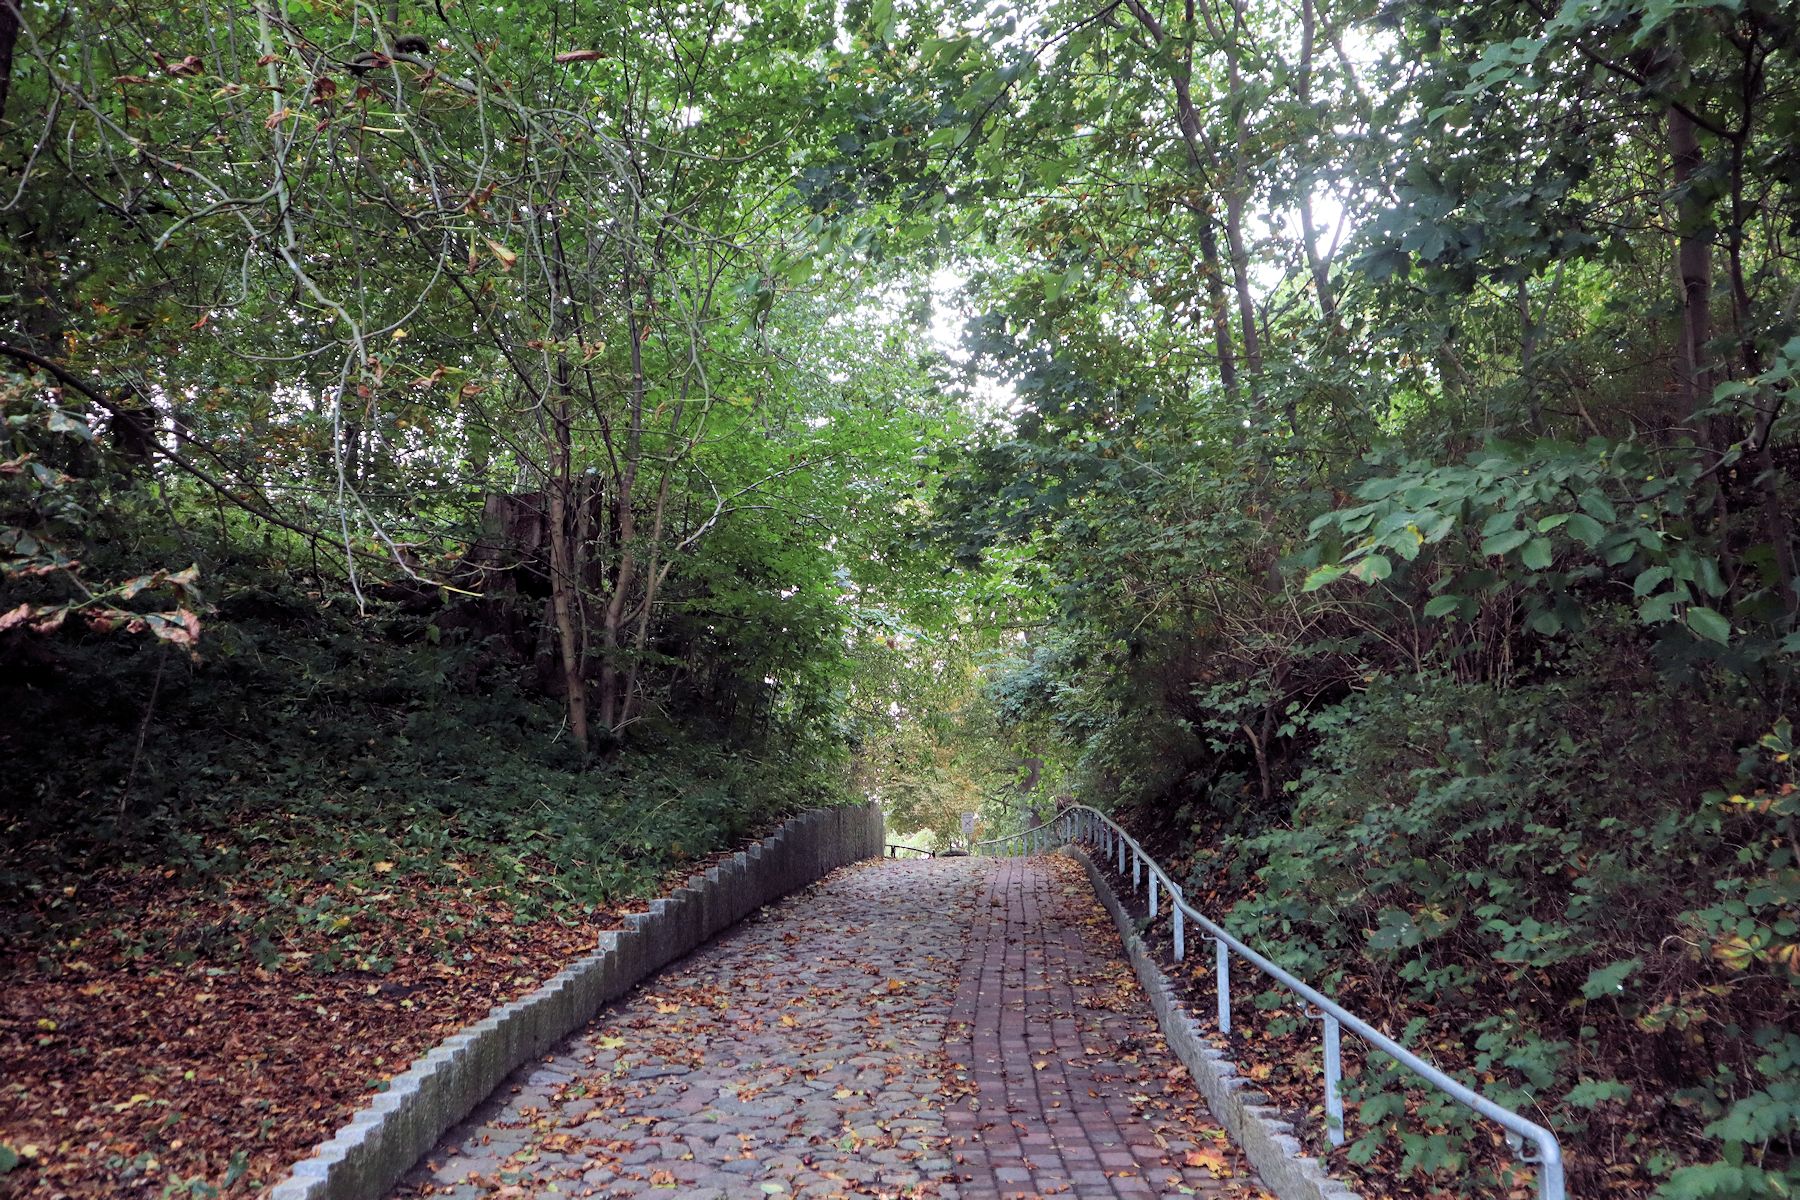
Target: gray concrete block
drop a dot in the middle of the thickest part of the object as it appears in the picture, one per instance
(626, 966)
(654, 932)
(691, 903)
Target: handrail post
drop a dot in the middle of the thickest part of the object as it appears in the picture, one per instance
(1121, 842)
(1180, 929)
(1152, 875)
(1137, 871)
(1222, 978)
(1550, 1172)
(1334, 1074)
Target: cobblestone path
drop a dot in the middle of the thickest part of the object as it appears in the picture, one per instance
(957, 1028)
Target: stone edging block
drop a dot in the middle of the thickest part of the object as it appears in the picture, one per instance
(380, 1144)
(1266, 1138)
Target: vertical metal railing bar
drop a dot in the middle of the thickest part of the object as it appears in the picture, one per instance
(1334, 1075)
(1097, 829)
(1222, 982)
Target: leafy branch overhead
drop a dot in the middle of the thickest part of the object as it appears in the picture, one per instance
(1352, 442)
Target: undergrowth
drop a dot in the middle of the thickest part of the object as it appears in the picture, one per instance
(307, 748)
(261, 879)
(1580, 892)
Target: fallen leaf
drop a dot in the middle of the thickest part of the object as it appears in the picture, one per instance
(1212, 1160)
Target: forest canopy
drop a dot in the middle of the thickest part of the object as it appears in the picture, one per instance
(1352, 442)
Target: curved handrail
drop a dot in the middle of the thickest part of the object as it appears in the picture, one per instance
(893, 846)
(1082, 822)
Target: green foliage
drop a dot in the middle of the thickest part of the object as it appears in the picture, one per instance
(1559, 528)
(1371, 469)
(1418, 588)
(377, 756)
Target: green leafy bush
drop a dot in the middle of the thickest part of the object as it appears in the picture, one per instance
(1564, 892)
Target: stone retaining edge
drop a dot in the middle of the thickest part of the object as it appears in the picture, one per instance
(368, 1155)
(1266, 1139)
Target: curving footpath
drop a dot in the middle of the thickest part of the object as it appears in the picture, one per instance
(956, 1028)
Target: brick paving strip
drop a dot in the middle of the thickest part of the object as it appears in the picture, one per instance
(957, 1028)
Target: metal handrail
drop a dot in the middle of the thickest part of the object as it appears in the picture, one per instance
(1081, 822)
(893, 846)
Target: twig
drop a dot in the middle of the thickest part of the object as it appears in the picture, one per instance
(137, 751)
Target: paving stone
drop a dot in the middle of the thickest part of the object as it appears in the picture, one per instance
(1046, 1013)
(962, 1029)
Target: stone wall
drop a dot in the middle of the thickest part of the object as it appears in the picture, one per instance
(368, 1155)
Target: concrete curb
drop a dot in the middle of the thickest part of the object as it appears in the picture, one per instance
(381, 1143)
(1267, 1140)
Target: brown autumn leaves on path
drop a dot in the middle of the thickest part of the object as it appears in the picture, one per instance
(959, 1028)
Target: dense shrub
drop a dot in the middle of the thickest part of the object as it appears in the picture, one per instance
(1549, 872)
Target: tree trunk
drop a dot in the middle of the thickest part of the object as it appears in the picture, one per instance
(1316, 262)
(625, 506)
(565, 573)
(1236, 192)
(1236, 195)
(564, 603)
(1240, 273)
(10, 24)
(1214, 270)
(612, 622)
(1187, 120)
(1528, 339)
(654, 575)
(1693, 265)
